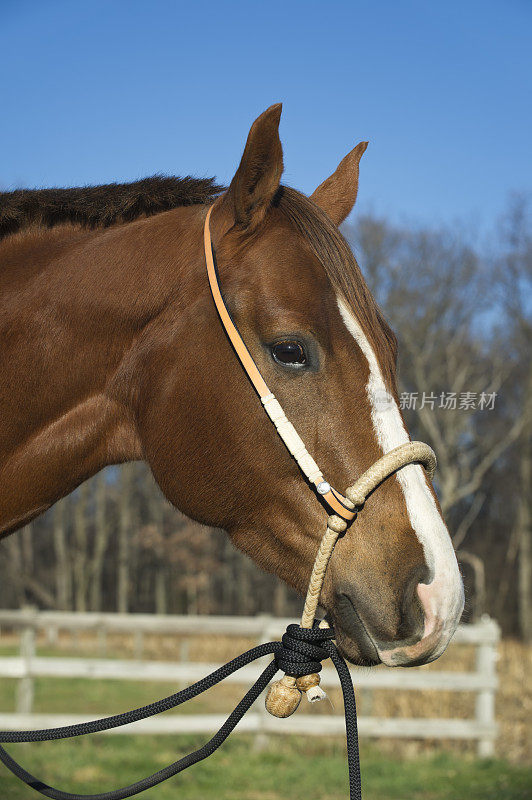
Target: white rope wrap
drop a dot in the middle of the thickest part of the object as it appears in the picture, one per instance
(291, 438)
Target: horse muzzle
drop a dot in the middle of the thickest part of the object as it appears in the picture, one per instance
(425, 624)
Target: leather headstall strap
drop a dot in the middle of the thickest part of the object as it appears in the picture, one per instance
(336, 502)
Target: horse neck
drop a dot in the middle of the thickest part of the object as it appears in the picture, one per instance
(73, 306)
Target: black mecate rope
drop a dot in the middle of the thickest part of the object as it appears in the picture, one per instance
(300, 653)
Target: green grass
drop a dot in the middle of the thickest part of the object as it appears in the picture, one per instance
(293, 768)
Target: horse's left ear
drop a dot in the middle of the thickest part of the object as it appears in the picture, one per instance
(338, 193)
(257, 178)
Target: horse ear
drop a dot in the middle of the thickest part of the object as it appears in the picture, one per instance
(338, 193)
(257, 178)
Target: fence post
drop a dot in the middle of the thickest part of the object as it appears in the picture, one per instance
(485, 701)
(52, 635)
(26, 686)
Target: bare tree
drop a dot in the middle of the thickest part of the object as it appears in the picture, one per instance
(523, 525)
(156, 509)
(63, 570)
(101, 541)
(515, 282)
(81, 555)
(125, 523)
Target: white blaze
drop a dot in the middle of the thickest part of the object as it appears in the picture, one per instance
(447, 598)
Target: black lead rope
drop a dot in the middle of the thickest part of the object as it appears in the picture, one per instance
(300, 652)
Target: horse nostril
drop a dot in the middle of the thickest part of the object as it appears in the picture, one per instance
(430, 597)
(412, 610)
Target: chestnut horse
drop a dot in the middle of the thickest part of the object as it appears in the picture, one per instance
(112, 351)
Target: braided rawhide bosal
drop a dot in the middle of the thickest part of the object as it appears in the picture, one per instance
(299, 655)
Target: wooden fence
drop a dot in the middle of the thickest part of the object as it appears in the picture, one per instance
(28, 665)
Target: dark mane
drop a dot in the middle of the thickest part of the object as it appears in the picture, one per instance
(115, 203)
(339, 263)
(101, 206)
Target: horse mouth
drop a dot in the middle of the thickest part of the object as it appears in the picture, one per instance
(352, 638)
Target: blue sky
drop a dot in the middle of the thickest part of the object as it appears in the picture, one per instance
(98, 91)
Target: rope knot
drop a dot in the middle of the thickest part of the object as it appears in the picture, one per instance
(302, 651)
(300, 655)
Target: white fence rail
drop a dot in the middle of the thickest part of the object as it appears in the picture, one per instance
(27, 666)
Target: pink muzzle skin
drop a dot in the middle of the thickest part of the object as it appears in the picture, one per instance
(436, 633)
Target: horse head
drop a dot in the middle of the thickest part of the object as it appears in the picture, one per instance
(294, 290)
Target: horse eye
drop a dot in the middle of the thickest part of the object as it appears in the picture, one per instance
(291, 353)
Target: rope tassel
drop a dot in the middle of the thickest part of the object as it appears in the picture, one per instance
(300, 658)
